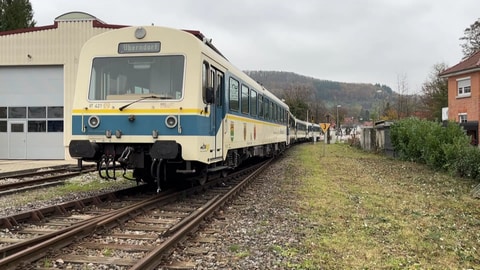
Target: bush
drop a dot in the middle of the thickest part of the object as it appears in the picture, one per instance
(440, 147)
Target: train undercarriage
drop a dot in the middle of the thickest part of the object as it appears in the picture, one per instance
(160, 163)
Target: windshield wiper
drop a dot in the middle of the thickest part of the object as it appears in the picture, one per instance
(140, 99)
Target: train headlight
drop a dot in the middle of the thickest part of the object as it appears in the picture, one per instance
(93, 121)
(140, 32)
(171, 121)
(118, 133)
(108, 134)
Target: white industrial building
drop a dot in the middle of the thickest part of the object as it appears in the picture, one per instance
(38, 67)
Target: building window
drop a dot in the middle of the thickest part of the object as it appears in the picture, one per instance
(55, 112)
(55, 126)
(37, 126)
(17, 112)
(16, 128)
(3, 112)
(463, 86)
(462, 118)
(37, 112)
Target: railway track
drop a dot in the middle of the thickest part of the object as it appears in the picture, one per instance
(133, 233)
(26, 180)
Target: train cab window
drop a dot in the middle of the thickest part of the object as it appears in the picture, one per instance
(125, 78)
(204, 79)
(209, 83)
(245, 103)
(212, 79)
(253, 102)
(233, 95)
(219, 86)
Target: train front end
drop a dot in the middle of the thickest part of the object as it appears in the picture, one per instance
(138, 103)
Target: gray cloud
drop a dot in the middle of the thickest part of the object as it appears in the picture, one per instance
(370, 41)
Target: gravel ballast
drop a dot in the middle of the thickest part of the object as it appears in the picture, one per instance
(260, 230)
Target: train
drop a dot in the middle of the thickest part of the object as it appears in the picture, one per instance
(168, 105)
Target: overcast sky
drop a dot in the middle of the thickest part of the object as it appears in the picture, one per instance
(361, 41)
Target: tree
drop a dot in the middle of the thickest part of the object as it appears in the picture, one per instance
(402, 102)
(15, 14)
(435, 93)
(471, 39)
(297, 99)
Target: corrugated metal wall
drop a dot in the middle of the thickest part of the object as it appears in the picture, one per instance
(57, 45)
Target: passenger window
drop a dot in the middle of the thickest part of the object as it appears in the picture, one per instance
(267, 109)
(253, 102)
(260, 106)
(233, 94)
(245, 99)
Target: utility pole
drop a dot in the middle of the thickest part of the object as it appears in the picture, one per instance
(328, 129)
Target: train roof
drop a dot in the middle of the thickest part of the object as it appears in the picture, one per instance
(205, 40)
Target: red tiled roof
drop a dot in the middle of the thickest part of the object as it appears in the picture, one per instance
(470, 64)
(95, 23)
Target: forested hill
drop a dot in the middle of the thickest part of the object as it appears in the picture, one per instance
(357, 97)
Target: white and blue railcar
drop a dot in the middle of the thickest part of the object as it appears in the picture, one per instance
(165, 102)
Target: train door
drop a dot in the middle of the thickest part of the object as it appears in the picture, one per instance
(216, 83)
(219, 86)
(17, 139)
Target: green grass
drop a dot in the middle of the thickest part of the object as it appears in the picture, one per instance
(368, 211)
(240, 251)
(73, 186)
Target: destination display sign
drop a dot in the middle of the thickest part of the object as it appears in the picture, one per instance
(139, 47)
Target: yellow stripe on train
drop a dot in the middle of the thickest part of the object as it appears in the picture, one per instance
(140, 111)
(250, 120)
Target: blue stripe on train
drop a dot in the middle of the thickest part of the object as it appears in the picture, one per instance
(192, 125)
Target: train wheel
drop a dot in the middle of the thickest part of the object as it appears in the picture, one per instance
(203, 177)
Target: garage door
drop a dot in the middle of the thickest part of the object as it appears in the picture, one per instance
(31, 112)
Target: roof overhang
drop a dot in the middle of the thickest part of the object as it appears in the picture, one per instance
(460, 72)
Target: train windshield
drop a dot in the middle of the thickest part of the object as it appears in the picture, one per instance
(126, 78)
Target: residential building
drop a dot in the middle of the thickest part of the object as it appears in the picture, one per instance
(464, 94)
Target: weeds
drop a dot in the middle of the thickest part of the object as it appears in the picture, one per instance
(373, 212)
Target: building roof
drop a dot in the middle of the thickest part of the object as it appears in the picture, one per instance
(74, 16)
(78, 16)
(470, 64)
